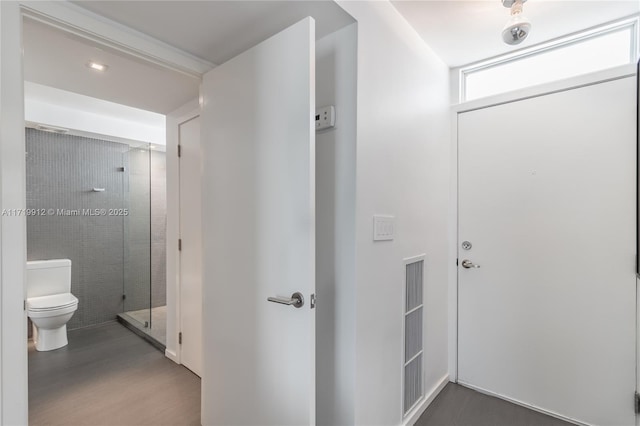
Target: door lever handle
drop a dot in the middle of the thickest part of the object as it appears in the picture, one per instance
(469, 264)
(296, 300)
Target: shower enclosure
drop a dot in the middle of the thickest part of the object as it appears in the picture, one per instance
(102, 205)
(144, 282)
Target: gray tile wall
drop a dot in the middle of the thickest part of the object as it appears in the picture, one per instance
(110, 254)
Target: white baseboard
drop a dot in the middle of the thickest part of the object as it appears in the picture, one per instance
(172, 356)
(525, 405)
(415, 414)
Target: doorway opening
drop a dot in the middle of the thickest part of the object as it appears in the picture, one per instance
(96, 182)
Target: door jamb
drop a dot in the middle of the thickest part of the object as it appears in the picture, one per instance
(174, 274)
(13, 335)
(616, 73)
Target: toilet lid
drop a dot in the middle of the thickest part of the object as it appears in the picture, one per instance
(50, 303)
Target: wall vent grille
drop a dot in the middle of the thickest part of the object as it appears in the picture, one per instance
(413, 342)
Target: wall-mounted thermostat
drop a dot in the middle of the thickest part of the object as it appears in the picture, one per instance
(325, 117)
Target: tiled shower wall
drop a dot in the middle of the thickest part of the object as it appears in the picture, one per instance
(104, 250)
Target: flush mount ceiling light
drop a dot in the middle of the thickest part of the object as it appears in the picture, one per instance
(517, 27)
(97, 66)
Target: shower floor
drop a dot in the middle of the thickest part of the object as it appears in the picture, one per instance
(156, 330)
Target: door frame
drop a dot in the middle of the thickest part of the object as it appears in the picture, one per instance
(616, 73)
(13, 241)
(175, 119)
(74, 19)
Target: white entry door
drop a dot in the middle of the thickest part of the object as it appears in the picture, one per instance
(190, 169)
(258, 145)
(547, 206)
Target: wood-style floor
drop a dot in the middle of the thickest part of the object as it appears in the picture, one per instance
(460, 406)
(109, 376)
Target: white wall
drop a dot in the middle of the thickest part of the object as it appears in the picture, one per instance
(13, 247)
(335, 229)
(55, 107)
(402, 169)
(454, 77)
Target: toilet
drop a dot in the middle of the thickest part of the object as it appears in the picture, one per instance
(50, 304)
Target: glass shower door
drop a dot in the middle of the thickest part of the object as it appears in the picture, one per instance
(137, 236)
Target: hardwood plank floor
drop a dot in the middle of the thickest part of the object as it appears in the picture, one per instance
(109, 376)
(460, 406)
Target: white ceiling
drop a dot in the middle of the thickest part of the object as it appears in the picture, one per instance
(218, 30)
(212, 30)
(459, 31)
(462, 32)
(58, 59)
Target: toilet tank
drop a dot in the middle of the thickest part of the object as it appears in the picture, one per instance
(47, 277)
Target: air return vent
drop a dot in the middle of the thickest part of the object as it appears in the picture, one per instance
(413, 323)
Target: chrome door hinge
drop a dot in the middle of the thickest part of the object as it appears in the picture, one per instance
(180, 338)
(24, 305)
(180, 244)
(179, 150)
(636, 403)
(313, 301)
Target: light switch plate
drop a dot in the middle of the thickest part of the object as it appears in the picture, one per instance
(383, 227)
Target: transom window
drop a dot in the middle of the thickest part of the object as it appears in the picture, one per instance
(590, 51)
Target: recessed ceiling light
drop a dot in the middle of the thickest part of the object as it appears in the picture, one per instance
(97, 66)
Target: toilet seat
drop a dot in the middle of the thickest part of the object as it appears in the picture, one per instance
(56, 304)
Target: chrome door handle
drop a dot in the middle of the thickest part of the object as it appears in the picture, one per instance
(469, 264)
(296, 300)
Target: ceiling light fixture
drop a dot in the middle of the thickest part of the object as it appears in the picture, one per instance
(518, 27)
(97, 66)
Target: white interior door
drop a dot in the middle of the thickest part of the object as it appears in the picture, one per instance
(547, 201)
(258, 145)
(190, 166)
